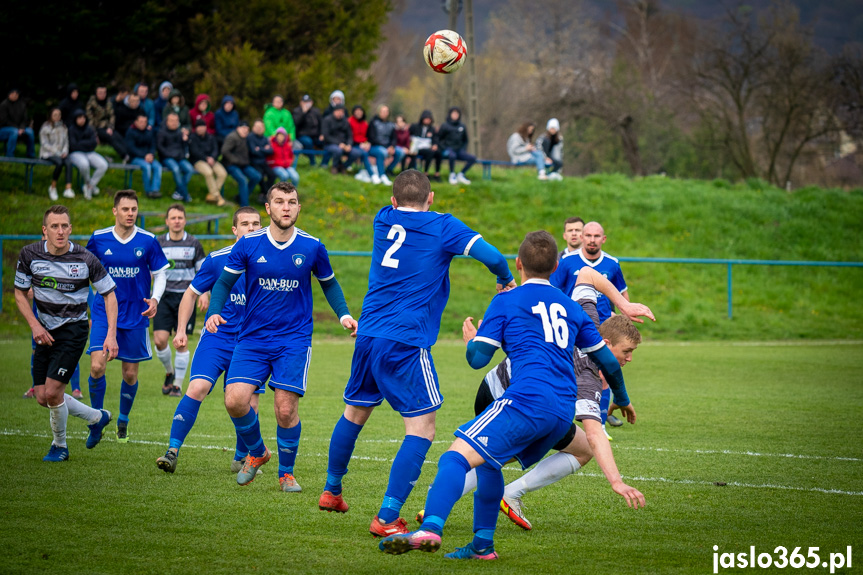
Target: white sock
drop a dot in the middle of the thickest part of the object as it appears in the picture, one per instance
(550, 470)
(82, 410)
(164, 356)
(469, 482)
(181, 364)
(59, 415)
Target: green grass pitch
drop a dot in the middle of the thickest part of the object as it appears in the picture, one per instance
(779, 424)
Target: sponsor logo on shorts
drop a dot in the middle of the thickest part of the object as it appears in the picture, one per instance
(274, 284)
(61, 371)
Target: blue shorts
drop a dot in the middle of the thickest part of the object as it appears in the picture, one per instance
(287, 366)
(134, 343)
(212, 358)
(402, 374)
(502, 432)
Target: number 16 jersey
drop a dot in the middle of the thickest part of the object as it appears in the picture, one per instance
(409, 275)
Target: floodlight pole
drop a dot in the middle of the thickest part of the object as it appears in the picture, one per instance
(453, 24)
(476, 143)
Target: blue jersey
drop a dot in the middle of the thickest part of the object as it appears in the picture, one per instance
(409, 274)
(129, 263)
(235, 306)
(278, 285)
(537, 326)
(566, 274)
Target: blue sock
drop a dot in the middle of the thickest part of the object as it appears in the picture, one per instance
(603, 404)
(240, 451)
(249, 428)
(342, 445)
(184, 419)
(486, 505)
(97, 392)
(76, 379)
(288, 439)
(127, 398)
(445, 491)
(405, 471)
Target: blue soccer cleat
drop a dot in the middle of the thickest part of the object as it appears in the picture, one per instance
(96, 429)
(422, 540)
(470, 552)
(57, 454)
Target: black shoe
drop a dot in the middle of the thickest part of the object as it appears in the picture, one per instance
(169, 384)
(613, 421)
(168, 462)
(122, 432)
(435, 178)
(176, 391)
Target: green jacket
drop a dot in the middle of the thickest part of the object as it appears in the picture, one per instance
(275, 119)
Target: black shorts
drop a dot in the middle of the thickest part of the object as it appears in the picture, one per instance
(59, 360)
(166, 314)
(484, 398)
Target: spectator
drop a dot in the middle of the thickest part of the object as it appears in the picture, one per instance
(359, 133)
(82, 153)
(235, 155)
(551, 144)
(259, 151)
(452, 140)
(338, 140)
(141, 144)
(282, 159)
(522, 152)
(202, 111)
(162, 101)
(149, 107)
(424, 143)
(382, 137)
(203, 151)
(337, 98)
(276, 116)
(100, 115)
(171, 141)
(70, 103)
(54, 147)
(307, 121)
(177, 105)
(14, 124)
(403, 140)
(126, 113)
(226, 120)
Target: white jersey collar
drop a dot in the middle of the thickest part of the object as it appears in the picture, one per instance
(591, 263)
(538, 281)
(127, 240)
(278, 245)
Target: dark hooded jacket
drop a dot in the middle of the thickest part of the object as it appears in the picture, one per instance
(13, 114)
(259, 149)
(139, 143)
(381, 132)
(81, 138)
(202, 148)
(170, 143)
(181, 109)
(68, 105)
(226, 122)
(337, 131)
(308, 123)
(452, 134)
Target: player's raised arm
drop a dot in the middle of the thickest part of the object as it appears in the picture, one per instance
(336, 298)
(489, 255)
(589, 276)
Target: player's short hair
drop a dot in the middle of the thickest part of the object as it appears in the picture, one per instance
(170, 113)
(617, 328)
(178, 206)
(56, 209)
(573, 220)
(411, 188)
(121, 194)
(286, 187)
(538, 254)
(245, 210)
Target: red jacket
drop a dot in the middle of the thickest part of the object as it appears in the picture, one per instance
(283, 156)
(207, 116)
(359, 128)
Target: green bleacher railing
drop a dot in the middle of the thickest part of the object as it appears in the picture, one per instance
(729, 263)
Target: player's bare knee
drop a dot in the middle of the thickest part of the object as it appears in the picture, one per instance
(287, 406)
(198, 389)
(160, 338)
(358, 415)
(97, 365)
(130, 373)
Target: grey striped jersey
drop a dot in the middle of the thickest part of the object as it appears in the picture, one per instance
(60, 282)
(185, 257)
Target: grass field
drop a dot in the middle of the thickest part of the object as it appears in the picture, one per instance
(780, 424)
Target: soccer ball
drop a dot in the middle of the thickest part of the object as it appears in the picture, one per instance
(445, 51)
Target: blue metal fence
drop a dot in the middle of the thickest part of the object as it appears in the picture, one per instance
(726, 262)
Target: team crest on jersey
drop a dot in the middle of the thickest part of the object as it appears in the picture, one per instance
(139, 252)
(299, 259)
(74, 270)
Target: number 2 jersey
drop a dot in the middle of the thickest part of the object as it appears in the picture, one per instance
(129, 263)
(537, 326)
(409, 274)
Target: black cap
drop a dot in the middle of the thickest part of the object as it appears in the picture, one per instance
(243, 125)
(307, 98)
(200, 122)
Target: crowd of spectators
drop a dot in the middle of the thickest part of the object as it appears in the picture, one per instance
(164, 133)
